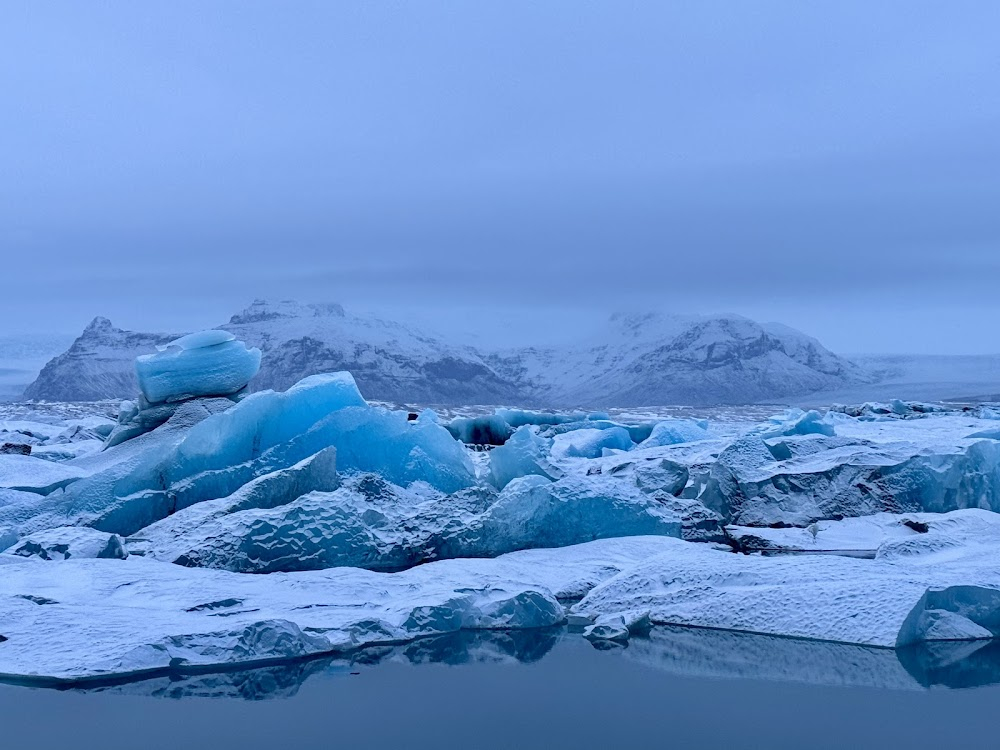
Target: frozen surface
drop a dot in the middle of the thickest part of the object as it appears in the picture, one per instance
(209, 363)
(31, 474)
(949, 573)
(122, 616)
(102, 617)
(364, 526)
(850, 535)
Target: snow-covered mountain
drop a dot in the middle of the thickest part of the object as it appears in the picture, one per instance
(99, 364)
(637, 360)
(390, 361)
(651, 359)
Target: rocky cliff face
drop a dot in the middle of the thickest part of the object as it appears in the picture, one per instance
(637, 360)
(100, 364)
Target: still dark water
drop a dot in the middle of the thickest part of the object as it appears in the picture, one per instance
(546, 689)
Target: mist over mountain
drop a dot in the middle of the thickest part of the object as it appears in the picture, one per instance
(633, 360)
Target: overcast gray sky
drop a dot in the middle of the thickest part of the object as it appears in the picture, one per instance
(834, 166)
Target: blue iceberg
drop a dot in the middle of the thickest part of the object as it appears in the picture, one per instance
(263, 433)
(798, 422)
(208, 363)
(525, 454)
(676, 431)
(591, 443)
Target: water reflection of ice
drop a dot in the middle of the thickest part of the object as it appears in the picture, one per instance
(686, 652)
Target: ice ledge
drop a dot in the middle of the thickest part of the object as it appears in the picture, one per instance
(79, 620)
(87, 619)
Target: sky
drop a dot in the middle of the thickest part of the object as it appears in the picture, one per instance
(515, 170)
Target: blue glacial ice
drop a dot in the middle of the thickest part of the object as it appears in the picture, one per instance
(495, 429)
(321, 488)
(798, 422)
(525, 454)
(209, 363)
(676, 431)
(382, 441)
(263, 433)
(591, 443)
(370, 523)
(269, 431)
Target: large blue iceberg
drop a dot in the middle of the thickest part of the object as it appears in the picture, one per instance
(265, 432)
(209, 363)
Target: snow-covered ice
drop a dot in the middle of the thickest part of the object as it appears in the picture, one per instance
(943, 584)
(31, 474)
(87, 618)
(128, 544)
(68, 542)
(369, 523)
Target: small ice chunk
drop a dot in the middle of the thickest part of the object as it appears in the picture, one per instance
(798, 422)
(942, 625)
(676, 431)
(68, 542)
(524, 454)
(617, 627)
(591, 443)
(607, 628)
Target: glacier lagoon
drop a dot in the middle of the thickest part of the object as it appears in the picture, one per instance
(539, 689)
(300, 543)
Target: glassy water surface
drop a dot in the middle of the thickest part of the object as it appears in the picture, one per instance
(678, 687)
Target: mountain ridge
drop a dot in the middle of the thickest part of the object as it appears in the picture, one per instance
(636, 360)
